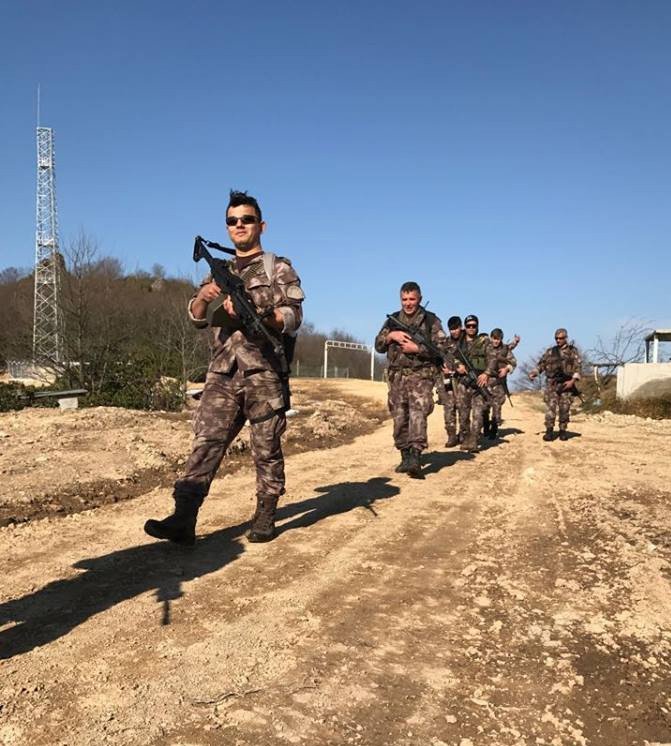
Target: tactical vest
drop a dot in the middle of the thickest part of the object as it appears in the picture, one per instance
(267, 267)
(477, 354)
(429, 318)
(556, 366)
(412, 362)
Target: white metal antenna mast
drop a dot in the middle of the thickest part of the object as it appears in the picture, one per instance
(46, 320)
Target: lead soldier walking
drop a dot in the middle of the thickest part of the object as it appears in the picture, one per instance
(242, 380)
(561, 365)
(411, 374)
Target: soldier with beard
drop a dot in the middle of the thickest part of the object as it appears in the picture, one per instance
(411, 374)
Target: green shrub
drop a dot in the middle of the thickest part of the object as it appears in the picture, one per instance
(137, 383)
(14, 396)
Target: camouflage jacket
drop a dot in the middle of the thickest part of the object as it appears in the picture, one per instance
(419, 360)
(282, 291)
(503, 357)
(560, 362)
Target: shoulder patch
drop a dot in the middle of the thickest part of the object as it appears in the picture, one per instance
(295, 292)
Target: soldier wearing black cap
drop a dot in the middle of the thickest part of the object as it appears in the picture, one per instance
(448, 393)
(478, 349)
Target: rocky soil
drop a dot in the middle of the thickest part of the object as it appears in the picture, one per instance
(516, 597)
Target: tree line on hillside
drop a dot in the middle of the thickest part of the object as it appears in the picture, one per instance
(126, 338)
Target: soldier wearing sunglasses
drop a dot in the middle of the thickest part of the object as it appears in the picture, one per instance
(478, 348)
(242, 382)
(561, 365)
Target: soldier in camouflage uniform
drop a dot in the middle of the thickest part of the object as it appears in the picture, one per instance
(478, 349)
(561, 365)
(505, 364)
(447, 392)
(242, 381)
(411, 375)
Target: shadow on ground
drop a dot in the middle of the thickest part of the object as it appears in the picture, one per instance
(54, 610)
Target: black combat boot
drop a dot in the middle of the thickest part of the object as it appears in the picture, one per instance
(563, 435)
(452, 439)
(402, 468)
(262, 526)
(180, 527)
(414, 466)
(493, 429)
(464, 440)
(549, 434)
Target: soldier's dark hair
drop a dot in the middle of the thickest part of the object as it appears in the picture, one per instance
(242, 198)
(410, 287)
(454, 322)
(496, 333)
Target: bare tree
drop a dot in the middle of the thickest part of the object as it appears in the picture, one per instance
(522, 381)
(626, 346)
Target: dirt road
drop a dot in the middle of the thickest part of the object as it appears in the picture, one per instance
(520, 596)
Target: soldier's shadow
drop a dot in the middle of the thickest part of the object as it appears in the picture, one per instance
(504, 431)
(336, 498)
(486, 443)
(54, 610)
(434, 461)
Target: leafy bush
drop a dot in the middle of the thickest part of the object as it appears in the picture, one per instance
(137, 383)
(14, 396)
(603, 397)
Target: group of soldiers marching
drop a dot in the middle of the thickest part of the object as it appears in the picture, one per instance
(469, 369)
(246, 380)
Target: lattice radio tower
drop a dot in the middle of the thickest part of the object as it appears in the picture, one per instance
(46, 324)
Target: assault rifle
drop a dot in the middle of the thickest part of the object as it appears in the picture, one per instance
(560, 379)
(251, 321)
(506, 390)
(439, 358)
(472, 375)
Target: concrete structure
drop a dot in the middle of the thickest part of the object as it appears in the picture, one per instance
(652, 344)
(648, 380)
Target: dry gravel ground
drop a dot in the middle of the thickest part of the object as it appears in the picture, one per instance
(520, 596)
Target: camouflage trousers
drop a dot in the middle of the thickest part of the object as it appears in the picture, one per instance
(556, 400)
(410, 401)
(471, 408)
(498, 399)
(227, 402)
(448, 398)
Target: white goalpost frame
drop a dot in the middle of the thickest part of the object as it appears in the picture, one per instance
(348, 346)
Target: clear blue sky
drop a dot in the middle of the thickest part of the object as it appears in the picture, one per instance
(512, 157)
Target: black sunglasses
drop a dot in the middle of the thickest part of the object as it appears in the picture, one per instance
(563, 336)
(471, 326)
(245, 219)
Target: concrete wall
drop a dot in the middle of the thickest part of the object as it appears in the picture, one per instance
(643, 380)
